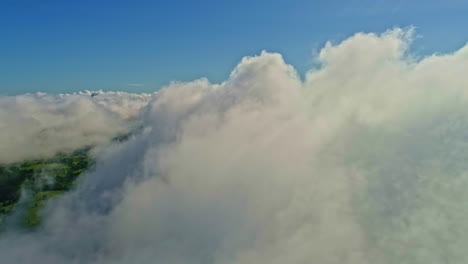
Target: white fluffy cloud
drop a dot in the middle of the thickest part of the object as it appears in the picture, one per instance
(362, 162)
(40, 125)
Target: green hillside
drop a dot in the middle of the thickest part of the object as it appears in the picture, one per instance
(41, 180)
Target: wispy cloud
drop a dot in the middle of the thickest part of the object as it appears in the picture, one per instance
(136, 84)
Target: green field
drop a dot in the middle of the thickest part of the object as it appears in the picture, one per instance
(41, 180)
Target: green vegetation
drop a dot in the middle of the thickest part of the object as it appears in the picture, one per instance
(42, 179)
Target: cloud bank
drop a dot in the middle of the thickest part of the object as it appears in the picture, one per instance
(364, 161)
(40, 125)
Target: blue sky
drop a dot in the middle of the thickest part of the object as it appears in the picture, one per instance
(138, 46)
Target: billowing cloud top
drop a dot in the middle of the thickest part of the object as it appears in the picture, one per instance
(362, 162)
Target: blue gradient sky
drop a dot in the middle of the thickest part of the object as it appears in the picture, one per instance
(65, 46)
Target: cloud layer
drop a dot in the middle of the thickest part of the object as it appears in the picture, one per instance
(40, 125)
(362, 162)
